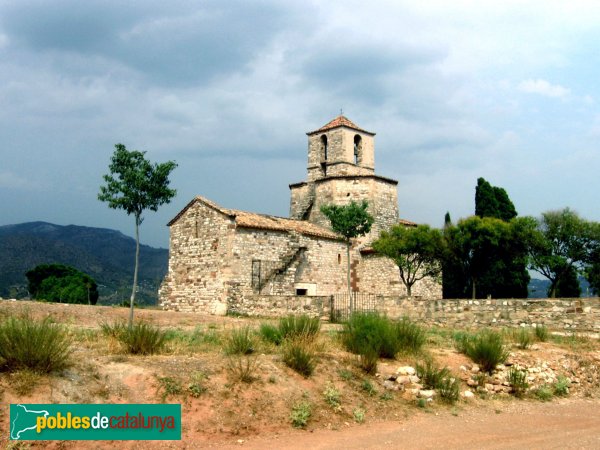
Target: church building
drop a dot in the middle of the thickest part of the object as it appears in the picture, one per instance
(220, 258)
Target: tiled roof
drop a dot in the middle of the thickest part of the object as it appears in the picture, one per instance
(246, 219)
(340, 121)
(408, 223)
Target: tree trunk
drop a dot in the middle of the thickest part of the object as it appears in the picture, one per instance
(350, 297)
(409, 290)
(135, 272)
(553, 290)
(474, 290)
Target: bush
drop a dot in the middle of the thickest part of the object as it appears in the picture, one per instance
(240, 342)
(299, 355)
(462, 341)
(270, 333)
(242, 368)
(431, 375)
(411, 336)
(300, 414)
(541, 333)
(449, 389)
(168, 386)
(368, 387)
(561, 387)
(524, 338)
(141, 339)
(332, 397)
(292, 327)
(39, 346)
(367, 333)
(544, 393)
(518, 381)
(486, 349)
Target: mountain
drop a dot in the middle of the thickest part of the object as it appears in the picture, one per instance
(106, 255)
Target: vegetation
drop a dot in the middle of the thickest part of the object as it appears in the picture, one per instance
(431, 375)
(270, 333)
(517, 379)
(141, 339)
(63, 284)
(332, 397)
(541, 333)
(242, 368)
(299, 355)
(135, 185)
(240, 342)
(292, 326)
(561, 387)
(300, 414)
(350, 221)
(524, 338)
(39, 346)
(415, 250)
(486, 349)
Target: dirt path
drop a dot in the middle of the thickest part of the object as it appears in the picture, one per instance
(567, 424)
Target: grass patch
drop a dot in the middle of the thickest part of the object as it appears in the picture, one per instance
(359, 415)
(541, 333)
(270, 333)
(368, 387)
(561, 386)
(39, 346)
(303, 326)
(141, 339)
(240, 342)
(544, 393)
(518, 381)
(300, 414)
(196, 385)
(486, 349)
(332, 397)
(168, 386)
(299, 355)
(23, 382)
(523, 338)
(242, 368)
(440, 379)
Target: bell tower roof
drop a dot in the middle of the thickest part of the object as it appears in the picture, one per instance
(340, 121)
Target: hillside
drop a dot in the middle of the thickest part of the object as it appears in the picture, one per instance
(106, 255)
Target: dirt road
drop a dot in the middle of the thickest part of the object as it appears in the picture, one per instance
(565, 424)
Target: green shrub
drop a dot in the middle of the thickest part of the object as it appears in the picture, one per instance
(449, 390)
(524, 338)
(300, 414)
(544, 393)
(345, 374)
(168, 386)
(114, 329)
(332, 397)
(142, 338)
(242, 368)
(270, 333)
(561, 387)
(411, 336)
(368, 360)
(292, 327)
(462, 341)
(299, 355)
(366, 333)
(431, 375)
(196, 386)
(359, 415)
(39, 346)
(240, 342)
(486, 349)
(368, 387)
(518, 381)
(541, 333)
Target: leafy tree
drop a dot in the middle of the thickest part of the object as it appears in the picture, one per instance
(415, 250)
(135, 185)
(568, 285)
(60, 283)
(350, 221)
(561, 242)
(493, 201)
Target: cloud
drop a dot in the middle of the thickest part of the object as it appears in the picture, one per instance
(543, 87)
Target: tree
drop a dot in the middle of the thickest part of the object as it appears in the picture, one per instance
(415, 250)
(350, 221)
(60, 283)
(135, 185)
(562, 241)
(568, 285)
(493, 201)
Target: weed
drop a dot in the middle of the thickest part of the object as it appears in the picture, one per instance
(518, 381)
(270, 333)
(411, 336)
(368, 360)
(449, 390)
(332, 397)
(386, 396)
(196, 386)
(300, 414)
(168, 386)
(24, 381)
(462, 341)
(541, 333)
(39, 346)
(272, 379)
(302, 326)
(366, 333)
(486, 349)
(431, 375)
(298, 354)
(422, 403)
(544, 393)
(242, 368)
(523, 338)
(113, 330)
(561, 387)
(142, 339)
(368, 387)
(345, 374)
(359, 415)
(240, 342)
(481, 379)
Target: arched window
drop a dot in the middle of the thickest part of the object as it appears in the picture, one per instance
(357, 149)
(324, 143)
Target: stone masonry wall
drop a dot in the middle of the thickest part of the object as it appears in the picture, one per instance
(280, 306)
(198, 262)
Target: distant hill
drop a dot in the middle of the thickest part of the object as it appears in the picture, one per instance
(106, 255)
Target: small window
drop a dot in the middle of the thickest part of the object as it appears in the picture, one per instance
(324, 168)
(324, 145)
(339, 258)
(357, 149)
(301, 291)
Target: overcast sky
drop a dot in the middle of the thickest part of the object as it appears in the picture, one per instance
(507, 90)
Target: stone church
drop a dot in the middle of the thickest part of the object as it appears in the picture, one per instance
(219, 257)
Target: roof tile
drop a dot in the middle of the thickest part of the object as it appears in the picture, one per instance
(340, 121)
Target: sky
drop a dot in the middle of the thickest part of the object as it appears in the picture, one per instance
(508, 91)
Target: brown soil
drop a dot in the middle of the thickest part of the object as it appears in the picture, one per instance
(257, 415)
